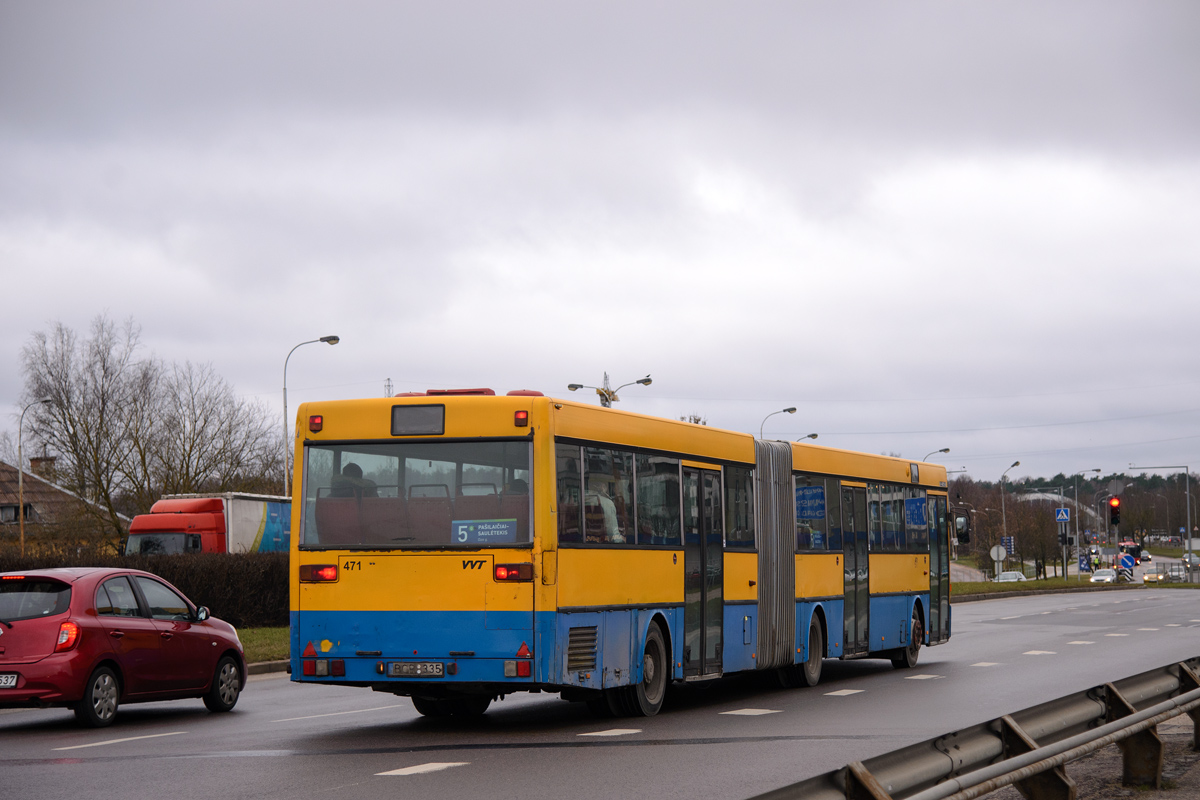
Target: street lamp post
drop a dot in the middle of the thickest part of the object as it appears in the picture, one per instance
(1003, 517)
(935, 452)
(791, 410)
(608, 396)
(330, 340)
(21, 468)
(802, 438)
(1076, 477)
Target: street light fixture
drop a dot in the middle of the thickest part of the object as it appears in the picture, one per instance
(791, 410)
(943, 450)
(330, 340)
(608, 395)
(802, 438)
(21, 468)
(1003, 517)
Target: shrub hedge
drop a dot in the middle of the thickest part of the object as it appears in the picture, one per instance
(246, 590)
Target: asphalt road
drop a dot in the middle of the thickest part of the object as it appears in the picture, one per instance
(733, 739)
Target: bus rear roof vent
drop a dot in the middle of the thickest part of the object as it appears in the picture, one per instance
(525, 393)
(411, 394)
(440, 392)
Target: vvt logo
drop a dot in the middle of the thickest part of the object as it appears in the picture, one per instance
(473, 564)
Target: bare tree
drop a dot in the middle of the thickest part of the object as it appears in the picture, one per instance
(129, 430)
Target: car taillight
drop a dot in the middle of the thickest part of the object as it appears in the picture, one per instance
(318, 573)
(514, 572)
(68, 636)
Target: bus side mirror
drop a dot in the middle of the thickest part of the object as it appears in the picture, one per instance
(962, 528)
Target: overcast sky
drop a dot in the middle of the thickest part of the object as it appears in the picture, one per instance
(925, 225)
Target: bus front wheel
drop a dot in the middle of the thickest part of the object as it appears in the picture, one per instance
(906, 657)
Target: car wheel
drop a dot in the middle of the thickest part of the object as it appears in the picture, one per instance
(226, 686)
(98, 707)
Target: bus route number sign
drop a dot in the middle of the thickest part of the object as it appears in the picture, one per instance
(484, 531)
(416, 669)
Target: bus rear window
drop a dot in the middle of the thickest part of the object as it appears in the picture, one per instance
(417, 494)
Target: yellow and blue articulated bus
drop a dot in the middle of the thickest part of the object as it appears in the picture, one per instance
(455, 546)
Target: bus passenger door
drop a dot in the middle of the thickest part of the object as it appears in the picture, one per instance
(703, 568)
(939, 571)
(856, 574)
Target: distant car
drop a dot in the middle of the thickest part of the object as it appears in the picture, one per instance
(1104, 576)
(1146, 555)
(1191, 559)
(90, 639)
(1010, 577)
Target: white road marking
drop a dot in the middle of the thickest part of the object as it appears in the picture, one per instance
(1116, 634)
(921, 677)
(421, 769)
(1174, 625)
(1047, 612)
(118, 741)
(1018, 616)
(986, 664)
(1040, 653)
(844, 692)
(340, 713)
(751, 712)
(1147, 629)
(614, 732)
(1080, 642)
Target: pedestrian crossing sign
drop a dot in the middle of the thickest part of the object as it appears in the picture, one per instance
(1062, 515)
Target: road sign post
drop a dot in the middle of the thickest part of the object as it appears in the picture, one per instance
(998, 553)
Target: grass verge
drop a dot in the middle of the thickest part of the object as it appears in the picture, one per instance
(992, 587)
(265, 644)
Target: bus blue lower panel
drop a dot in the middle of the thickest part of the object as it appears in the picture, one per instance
(891, 619)
(740, 649)
(365, 639)
(603, 649)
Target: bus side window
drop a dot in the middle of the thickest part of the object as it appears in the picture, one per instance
(570, 493)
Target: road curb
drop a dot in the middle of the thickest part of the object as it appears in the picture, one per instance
(263, 667)
(971, 598)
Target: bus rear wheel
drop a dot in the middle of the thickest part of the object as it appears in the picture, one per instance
(906, 658)
(432, 706)
(647, 695)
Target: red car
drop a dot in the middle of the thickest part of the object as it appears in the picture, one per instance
(90, 639)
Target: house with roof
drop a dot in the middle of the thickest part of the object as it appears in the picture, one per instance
(49, 509)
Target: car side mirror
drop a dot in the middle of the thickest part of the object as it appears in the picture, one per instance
(202, 613)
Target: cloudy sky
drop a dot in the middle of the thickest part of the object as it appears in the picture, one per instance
(925, 225)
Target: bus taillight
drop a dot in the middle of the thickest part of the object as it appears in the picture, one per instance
(318, 573)
(514, 572)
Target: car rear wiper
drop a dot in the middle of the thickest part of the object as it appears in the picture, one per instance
(6, 622)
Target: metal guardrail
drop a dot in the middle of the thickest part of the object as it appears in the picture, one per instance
(1027, 748)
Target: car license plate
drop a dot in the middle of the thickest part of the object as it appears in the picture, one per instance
(416, 669)
(9, 679)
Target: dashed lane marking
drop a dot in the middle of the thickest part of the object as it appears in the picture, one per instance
(1040, 653)
(1080, 642)
(751, 712)
(340, 713)
(1147, 629)
(1174, 625)
(986, 664)
(1116, 634)
(1018, 616)
(844, 692)
(118, 741)
(421, 769)
(922, 677)
(614, 732)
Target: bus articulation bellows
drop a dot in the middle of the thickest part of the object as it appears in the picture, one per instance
(455, 546)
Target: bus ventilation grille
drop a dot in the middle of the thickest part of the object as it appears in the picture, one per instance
(581, 649)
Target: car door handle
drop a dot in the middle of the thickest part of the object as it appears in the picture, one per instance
(116, 634)
(166, 635)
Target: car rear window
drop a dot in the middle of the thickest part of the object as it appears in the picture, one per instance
(29, 598)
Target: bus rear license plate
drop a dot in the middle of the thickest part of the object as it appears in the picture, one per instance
(416, 669)
(8, 680)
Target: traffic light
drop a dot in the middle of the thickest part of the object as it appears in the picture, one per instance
(1114, 510)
